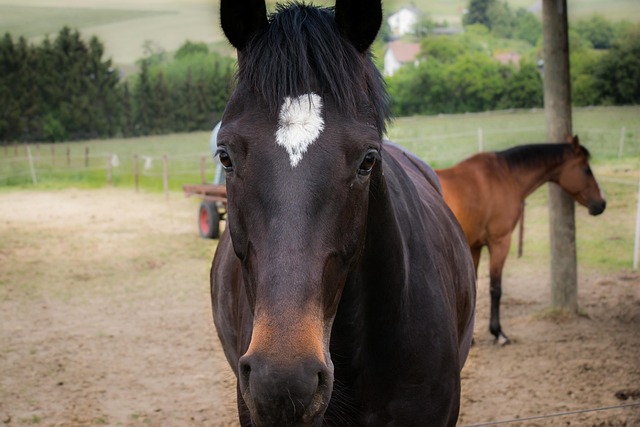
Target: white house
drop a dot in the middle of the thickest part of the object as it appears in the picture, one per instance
(403, 21)
(399, 53)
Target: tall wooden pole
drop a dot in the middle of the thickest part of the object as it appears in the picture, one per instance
(557, 107)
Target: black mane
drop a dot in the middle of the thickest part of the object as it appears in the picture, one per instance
(302, 51)
(534, 155)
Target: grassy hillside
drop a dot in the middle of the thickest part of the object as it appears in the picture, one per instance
(124, 26)
(31, 21)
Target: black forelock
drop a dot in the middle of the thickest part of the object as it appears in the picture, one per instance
(301, 51)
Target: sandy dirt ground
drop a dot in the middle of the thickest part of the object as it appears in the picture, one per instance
(105, 319)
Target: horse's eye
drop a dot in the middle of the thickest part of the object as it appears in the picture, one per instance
(225, 160)
(367, 163)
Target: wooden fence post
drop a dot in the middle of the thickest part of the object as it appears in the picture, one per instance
(68, 156)
(135, 171)
(86, 156)
(109, 171)
(31, 167)
(621, 145)
(165, 175)
(53, 154)
(557, 108)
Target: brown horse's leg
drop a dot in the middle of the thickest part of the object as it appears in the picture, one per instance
(498, 251)
(475, 254)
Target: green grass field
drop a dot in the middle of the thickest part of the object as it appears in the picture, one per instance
(445, 139)
(604, 242)
(30, 21)
(124, 27)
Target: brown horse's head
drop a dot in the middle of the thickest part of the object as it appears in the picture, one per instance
(577, 179)
(300, 139)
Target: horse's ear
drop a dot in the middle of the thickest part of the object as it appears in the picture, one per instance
(359, 21)
(242, 19)
(575, 142)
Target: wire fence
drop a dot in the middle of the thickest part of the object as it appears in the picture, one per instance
(28, 163)
(163, 167)
(604, 144)
(36, 165)
(554, 415)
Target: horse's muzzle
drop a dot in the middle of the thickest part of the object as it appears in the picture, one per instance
(293, 393)
(596, 208)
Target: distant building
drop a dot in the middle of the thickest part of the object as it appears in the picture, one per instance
(403, 21)
(507, 58)
(399, 53)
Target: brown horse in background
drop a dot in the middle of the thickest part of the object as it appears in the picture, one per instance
(486, 192)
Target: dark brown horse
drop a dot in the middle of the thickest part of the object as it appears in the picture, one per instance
(343, 291)
(486, 192)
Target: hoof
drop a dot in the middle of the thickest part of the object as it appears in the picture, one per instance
(502, 340)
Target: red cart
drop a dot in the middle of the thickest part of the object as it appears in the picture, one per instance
(213, 208)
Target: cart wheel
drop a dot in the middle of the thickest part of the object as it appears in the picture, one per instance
(209, 220)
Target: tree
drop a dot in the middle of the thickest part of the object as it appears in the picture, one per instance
(127, 113)
(191, 48)
(424, 25)
(527, 27)
(478, 13)
(104, 92)
(444, 49)
(478, 83)
(161, 107)
(142, 95)
(583, 61)
(597, 30)
(11, 66)
(617, 74)
(523, 88)
(501, 20)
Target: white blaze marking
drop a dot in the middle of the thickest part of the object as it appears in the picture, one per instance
(299, 125)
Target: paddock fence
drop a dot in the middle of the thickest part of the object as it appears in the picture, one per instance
(145, 167)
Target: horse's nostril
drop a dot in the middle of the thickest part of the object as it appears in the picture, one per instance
(597, 208)
(244, 368)
(322, 379)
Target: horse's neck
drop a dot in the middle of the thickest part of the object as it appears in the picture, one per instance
(372, 300)
(531, 177)
(376, 287)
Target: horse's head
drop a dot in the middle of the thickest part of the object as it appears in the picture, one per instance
(576, 178)
(300, 142)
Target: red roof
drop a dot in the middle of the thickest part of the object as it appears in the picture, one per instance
(507, 57)
(403, 51)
